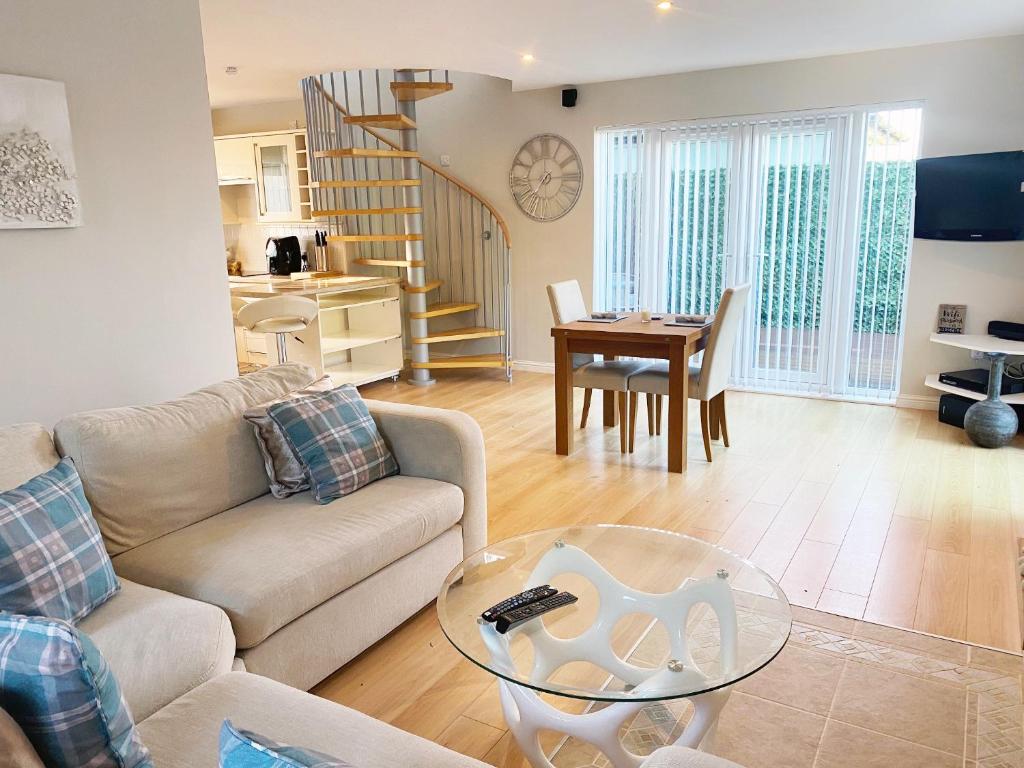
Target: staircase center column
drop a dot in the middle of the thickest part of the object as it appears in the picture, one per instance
(413, 198)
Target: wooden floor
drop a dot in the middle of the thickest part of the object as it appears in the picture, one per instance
(865, 511)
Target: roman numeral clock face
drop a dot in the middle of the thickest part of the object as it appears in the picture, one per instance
(546, 177)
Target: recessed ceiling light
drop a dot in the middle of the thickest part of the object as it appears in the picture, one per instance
(231, 70)
(527, 57)
(664, 5)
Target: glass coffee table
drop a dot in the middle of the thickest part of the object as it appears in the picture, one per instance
(660, 616)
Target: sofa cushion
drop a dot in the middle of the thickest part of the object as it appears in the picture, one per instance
(682, 757)
(336, 441)
(160, 645)
(52, 560)
(60, 690)
(284, 471)
(26, 450)
(271, 560)
(184, 734)
(149, 470)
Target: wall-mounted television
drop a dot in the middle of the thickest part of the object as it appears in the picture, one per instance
(970, 197)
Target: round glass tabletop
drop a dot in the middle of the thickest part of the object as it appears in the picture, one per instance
(659, 615)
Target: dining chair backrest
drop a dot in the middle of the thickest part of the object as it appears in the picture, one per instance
(717, 364)
(567, 305)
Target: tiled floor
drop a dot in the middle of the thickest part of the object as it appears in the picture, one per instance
(849, 694)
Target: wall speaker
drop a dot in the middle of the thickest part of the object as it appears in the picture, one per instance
(569, 97)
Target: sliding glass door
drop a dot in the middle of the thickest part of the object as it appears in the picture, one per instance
(813, 210)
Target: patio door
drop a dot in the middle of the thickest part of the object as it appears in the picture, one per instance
(812, 209)
(789, 252)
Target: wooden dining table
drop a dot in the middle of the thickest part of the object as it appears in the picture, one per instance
(627, 338)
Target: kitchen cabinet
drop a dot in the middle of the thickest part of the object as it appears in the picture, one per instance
(236, 160)
(276, 165)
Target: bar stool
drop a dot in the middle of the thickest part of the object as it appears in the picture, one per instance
(279, 315)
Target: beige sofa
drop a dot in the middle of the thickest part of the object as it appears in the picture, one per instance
(181, 495)
(173, 654)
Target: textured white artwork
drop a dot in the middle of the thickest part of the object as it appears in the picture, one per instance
(37, 167)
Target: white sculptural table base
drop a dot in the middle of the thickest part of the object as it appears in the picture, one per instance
(527, 715)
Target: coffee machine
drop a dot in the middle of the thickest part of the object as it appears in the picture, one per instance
(284, 255)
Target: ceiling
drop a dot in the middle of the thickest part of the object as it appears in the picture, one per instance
(274, 43)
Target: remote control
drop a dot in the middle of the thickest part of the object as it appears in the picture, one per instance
(518, 601)
(517, 616)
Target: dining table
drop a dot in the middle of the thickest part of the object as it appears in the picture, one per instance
(628, 337)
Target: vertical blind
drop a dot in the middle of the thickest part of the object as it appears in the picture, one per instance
(812, 209)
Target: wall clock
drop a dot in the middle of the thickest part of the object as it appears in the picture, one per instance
(546, 177)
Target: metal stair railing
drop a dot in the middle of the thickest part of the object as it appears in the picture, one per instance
(464, 242)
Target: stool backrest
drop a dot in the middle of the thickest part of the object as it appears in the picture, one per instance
(277, 308)
(567, 305)
(717, 364)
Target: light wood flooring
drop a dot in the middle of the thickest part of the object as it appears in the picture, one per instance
(870, 512)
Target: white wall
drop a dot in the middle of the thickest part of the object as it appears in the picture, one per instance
(131, 307)
(974, 93)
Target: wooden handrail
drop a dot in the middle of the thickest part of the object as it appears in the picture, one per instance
(436, 169)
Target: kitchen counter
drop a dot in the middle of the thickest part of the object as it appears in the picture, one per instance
(264, 286)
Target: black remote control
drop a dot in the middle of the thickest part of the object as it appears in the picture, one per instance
(517, 616)
(518, 601)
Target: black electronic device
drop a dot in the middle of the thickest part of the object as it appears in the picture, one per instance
(976, 380)
(518, 601)
(953, 408)
(1004, 329)
(970, 197)
(284, 255)
(514, 618)
(569, 97)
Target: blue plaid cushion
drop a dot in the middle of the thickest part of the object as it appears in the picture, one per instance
(52, 559)
(58, 688)
(336, 440)
(242, 749)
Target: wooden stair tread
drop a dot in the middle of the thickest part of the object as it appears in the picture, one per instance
(445, 308)
(364, 211)
(418, 90)
(354, 183)
(364, 152)
(390, 122)
(459, 334)
(373, 238)
(399, 263)
(427, 287)
(495, 360)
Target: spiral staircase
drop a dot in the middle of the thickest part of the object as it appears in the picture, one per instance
(397, 213)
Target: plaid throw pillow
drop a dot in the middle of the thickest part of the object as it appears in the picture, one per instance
(52, 559)
(243, 749)
(58, 688)
(287, 476)
(336, 440)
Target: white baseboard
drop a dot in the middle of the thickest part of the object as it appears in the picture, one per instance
(532, 366)
(919, 402)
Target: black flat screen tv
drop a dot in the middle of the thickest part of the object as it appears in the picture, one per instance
(975, 198)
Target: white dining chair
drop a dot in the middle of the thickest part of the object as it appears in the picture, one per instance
(588, 374)
(708, 382)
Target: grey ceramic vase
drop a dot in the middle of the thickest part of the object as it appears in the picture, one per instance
(991, 423)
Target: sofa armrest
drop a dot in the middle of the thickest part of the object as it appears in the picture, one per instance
(681, 757)
(441, 445)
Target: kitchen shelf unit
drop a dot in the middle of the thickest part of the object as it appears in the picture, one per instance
(360, 331)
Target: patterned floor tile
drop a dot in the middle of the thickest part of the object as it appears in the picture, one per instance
(991, 713)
